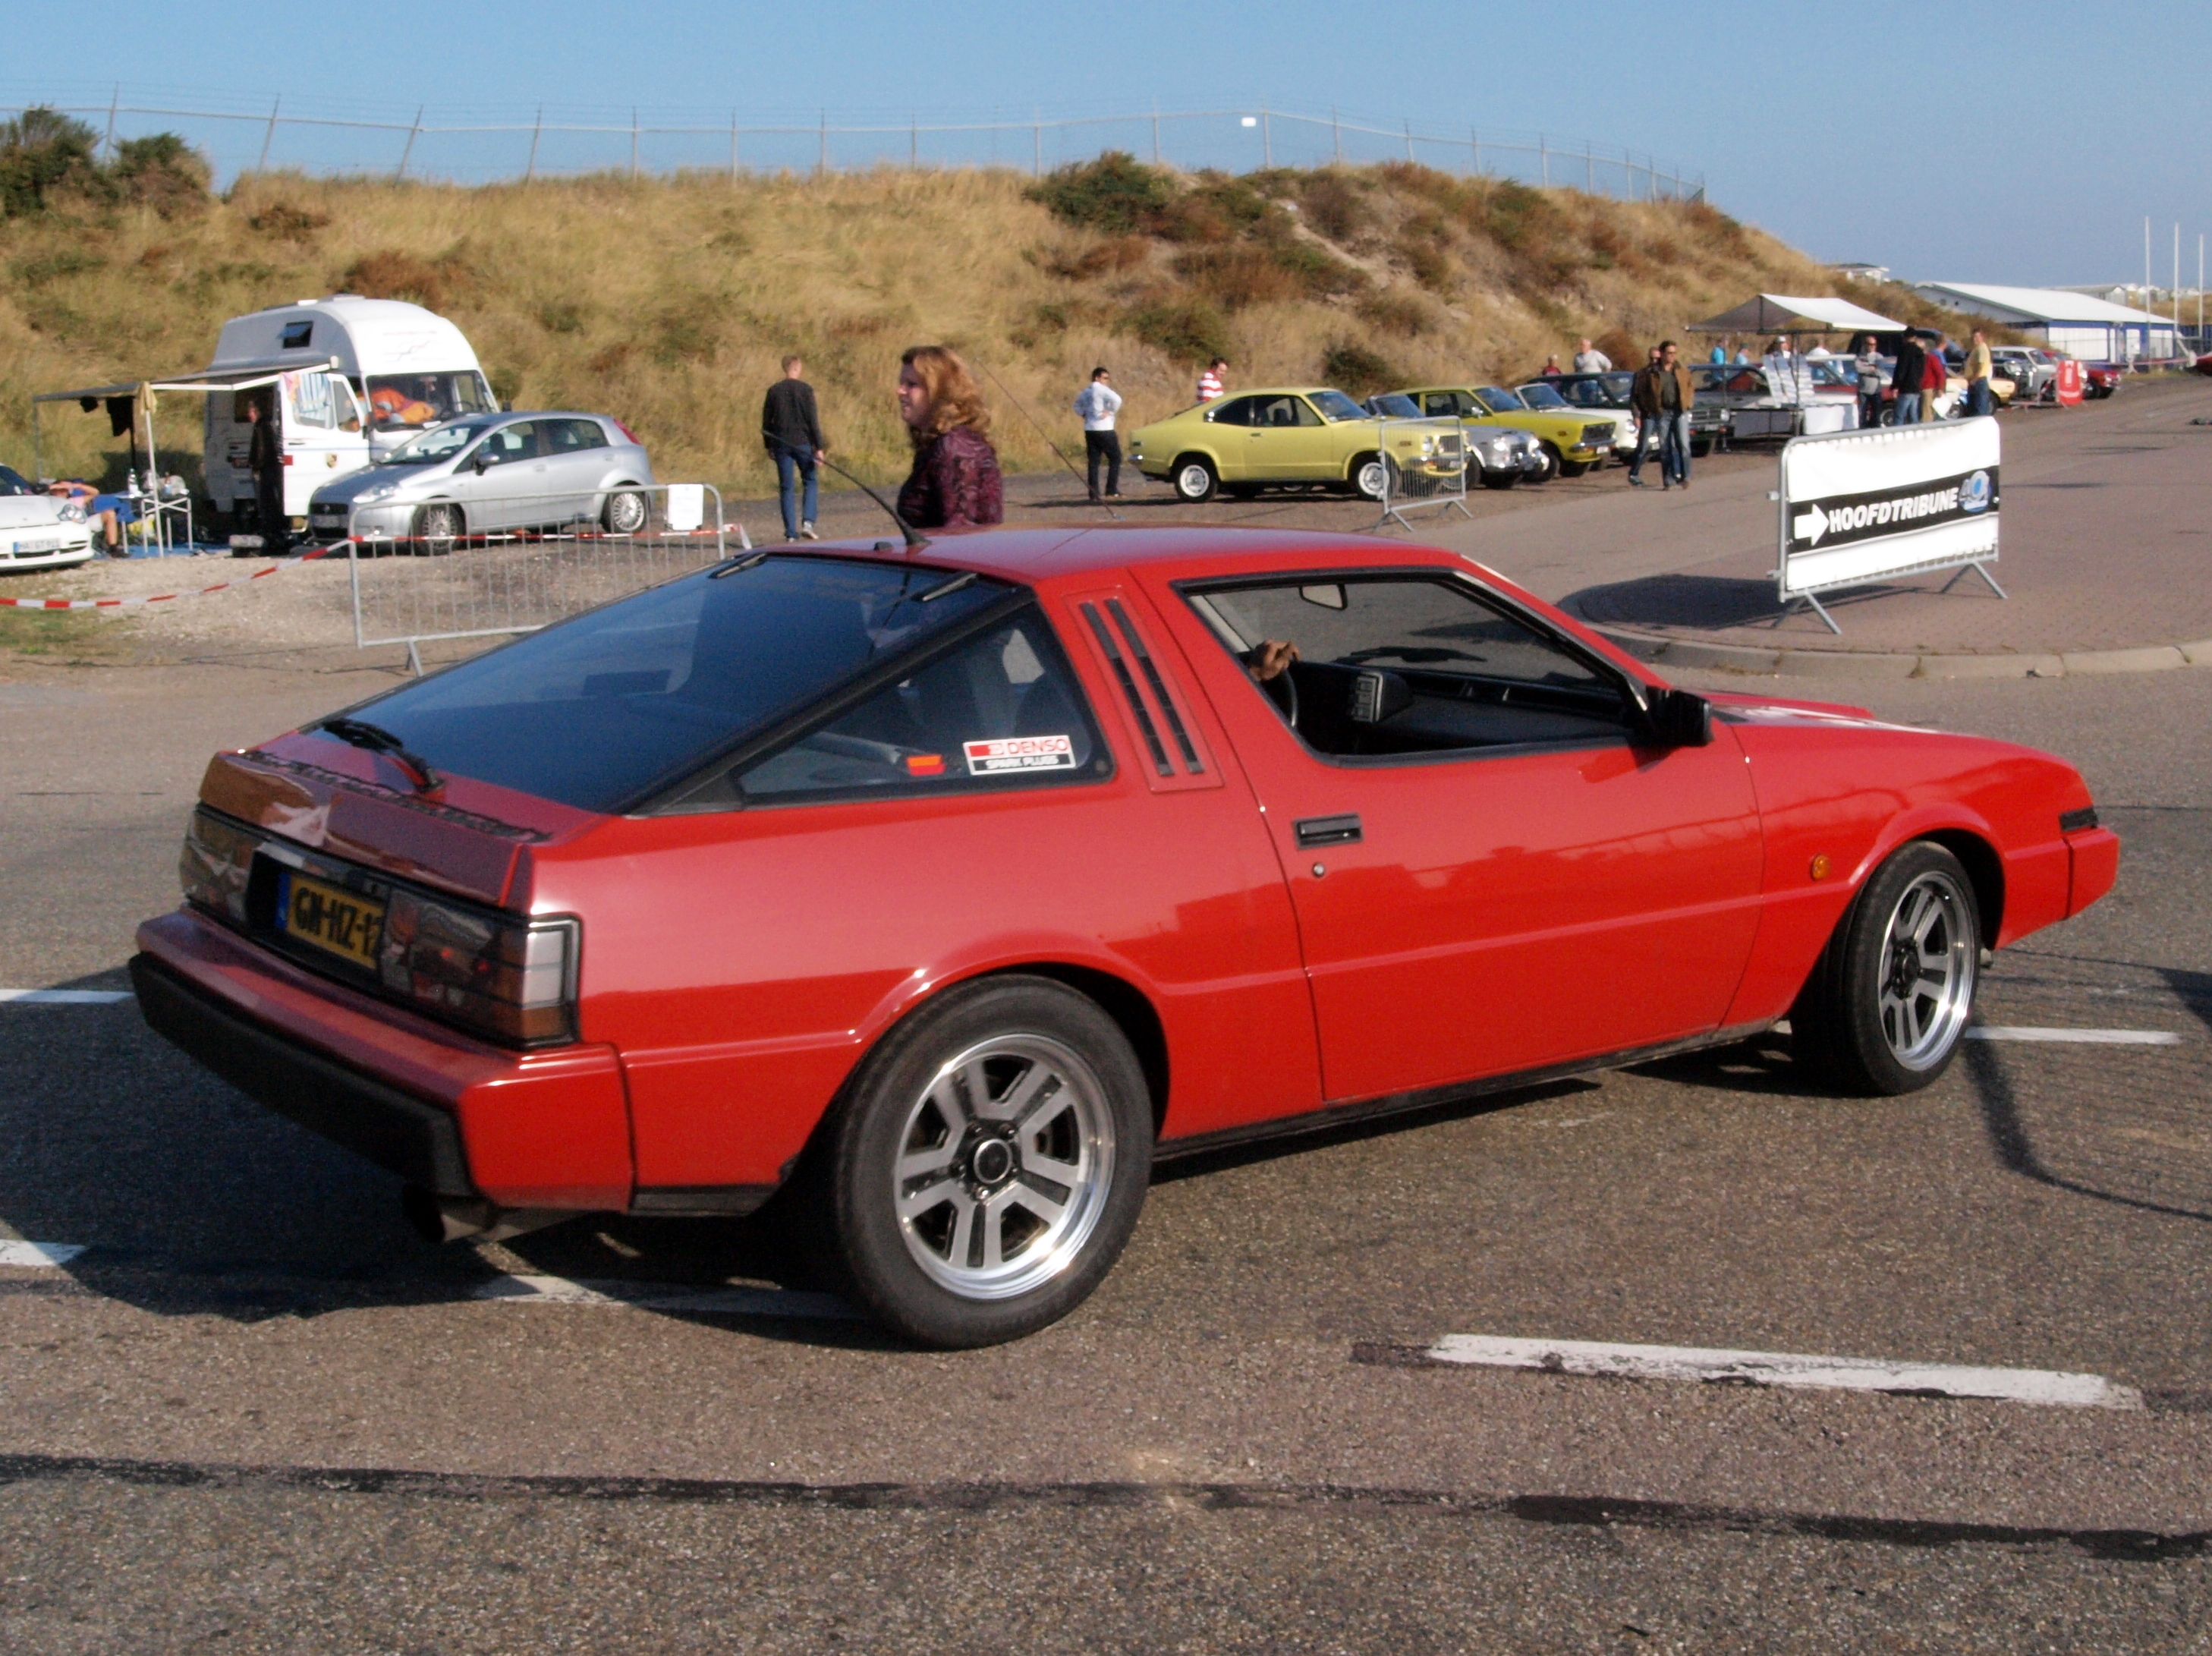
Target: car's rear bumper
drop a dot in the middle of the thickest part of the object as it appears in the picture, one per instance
(398, 1132)
(546, 1129)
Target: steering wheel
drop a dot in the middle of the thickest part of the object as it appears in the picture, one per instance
(1283, 691)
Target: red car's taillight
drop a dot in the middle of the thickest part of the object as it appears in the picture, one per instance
(217, 857)
(513, 979)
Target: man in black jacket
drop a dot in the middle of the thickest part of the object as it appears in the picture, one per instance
(1912, 363)
(791, 429)
(264, 458)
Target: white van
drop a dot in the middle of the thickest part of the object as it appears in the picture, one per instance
(356, 378)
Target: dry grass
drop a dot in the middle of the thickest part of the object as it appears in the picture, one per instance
(669, 302)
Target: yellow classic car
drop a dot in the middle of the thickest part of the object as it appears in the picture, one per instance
(1572, 442)
(1312, 436)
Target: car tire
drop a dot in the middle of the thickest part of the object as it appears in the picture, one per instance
(1500, 479)
(1700, 446)
(930, 1171)
(626, 512)
(1552, 467)
(1573, 468)
(1888, 1001)
(438, 528)
(1241, 491)
(1195, 478)
(1369, 475)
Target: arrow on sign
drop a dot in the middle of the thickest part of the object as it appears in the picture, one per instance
(1810, 525)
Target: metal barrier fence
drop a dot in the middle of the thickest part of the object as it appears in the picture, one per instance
(478, 145)
(497, 564)
(1423, 463)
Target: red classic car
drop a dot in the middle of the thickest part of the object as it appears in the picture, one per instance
(949, 891)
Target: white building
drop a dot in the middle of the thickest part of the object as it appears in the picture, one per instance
(2095, 330)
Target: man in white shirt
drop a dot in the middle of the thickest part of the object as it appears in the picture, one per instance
(1099, 403)
(1589, 359)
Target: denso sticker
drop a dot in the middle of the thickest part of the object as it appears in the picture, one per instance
(1019, 753)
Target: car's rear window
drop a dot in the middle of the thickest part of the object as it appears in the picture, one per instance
(600, 711)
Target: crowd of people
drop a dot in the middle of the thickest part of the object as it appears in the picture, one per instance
(955, 482)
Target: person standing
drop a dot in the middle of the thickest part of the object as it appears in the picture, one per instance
(1979, 398)
(1551, 369)
(1867, 364)
(1099, 403)
(1912, 362)
(1209, 383)
(1676, 393)
(791, 426)
(1935, 379)
(1720, 353)
(1589, 359)
(1644, 402)
(955, 482)
(264, 458)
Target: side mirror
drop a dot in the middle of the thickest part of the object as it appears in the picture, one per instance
(1678, 718)
(482, 462)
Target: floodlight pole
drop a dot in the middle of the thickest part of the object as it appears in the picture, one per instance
(114, 98)
(410, 149)
(530, 172)
(267, 137)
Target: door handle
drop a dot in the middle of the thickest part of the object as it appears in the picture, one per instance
(1328, 830)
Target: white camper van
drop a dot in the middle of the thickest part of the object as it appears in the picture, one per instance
(355, 379)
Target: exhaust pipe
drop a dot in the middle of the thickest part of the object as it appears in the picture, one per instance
(440, 1219)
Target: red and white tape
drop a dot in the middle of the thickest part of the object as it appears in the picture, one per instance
(163, 597)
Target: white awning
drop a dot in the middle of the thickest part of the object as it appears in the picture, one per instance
(1783, 313)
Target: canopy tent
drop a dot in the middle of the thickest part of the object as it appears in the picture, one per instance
(1781, 312)
(134, 398)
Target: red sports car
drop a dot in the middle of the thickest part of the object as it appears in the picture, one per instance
(951, 890)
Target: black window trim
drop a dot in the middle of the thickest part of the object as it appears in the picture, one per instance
(674, 798)
(1632, 690)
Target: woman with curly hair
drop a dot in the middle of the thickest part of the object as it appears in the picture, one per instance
(955, 482)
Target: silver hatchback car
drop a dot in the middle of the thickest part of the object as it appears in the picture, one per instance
(491, 474)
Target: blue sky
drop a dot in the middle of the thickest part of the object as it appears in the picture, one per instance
(2021, 141)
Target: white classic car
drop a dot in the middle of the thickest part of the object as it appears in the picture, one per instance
(37, 531)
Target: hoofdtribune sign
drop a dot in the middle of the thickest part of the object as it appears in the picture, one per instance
(1865, 506)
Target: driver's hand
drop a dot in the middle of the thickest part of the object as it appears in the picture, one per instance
(1269, 659)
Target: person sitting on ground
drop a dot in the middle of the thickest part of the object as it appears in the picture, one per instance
(111, 512)
(955, 482)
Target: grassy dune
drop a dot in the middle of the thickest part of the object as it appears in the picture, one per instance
(668, 301)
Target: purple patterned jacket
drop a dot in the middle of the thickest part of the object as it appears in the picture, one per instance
(955, 485)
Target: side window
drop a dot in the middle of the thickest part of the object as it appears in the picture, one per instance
(571, 435)
(1238, 410)
(1002, 710)
(511, 443)
(1404, 666)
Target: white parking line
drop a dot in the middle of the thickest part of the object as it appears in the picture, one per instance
(663, 1296)
(39, 1255)
(2089, 1036)
(66, 997)
(2049, 1387)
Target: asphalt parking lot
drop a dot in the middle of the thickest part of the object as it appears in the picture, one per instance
(255, 1413)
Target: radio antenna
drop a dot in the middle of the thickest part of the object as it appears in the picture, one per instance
(914, 538)
(1048, 442)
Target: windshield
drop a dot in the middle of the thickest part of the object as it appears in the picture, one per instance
(598, 712)
(1335, 406)
(1395, 405)
(1540, 395)
(12, 484)
(440, 442)
(1497, 398)
(399, 401)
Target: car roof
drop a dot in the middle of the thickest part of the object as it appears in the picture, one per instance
(1030, 557)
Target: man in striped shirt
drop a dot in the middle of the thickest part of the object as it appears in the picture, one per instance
(1209, 383)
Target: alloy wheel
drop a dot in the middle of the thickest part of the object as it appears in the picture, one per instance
(1004, 1165)
(1927, 962)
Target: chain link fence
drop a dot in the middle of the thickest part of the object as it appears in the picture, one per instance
(462, 144)
(497, 564)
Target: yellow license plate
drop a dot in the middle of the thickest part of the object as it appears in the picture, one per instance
(337, 921)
